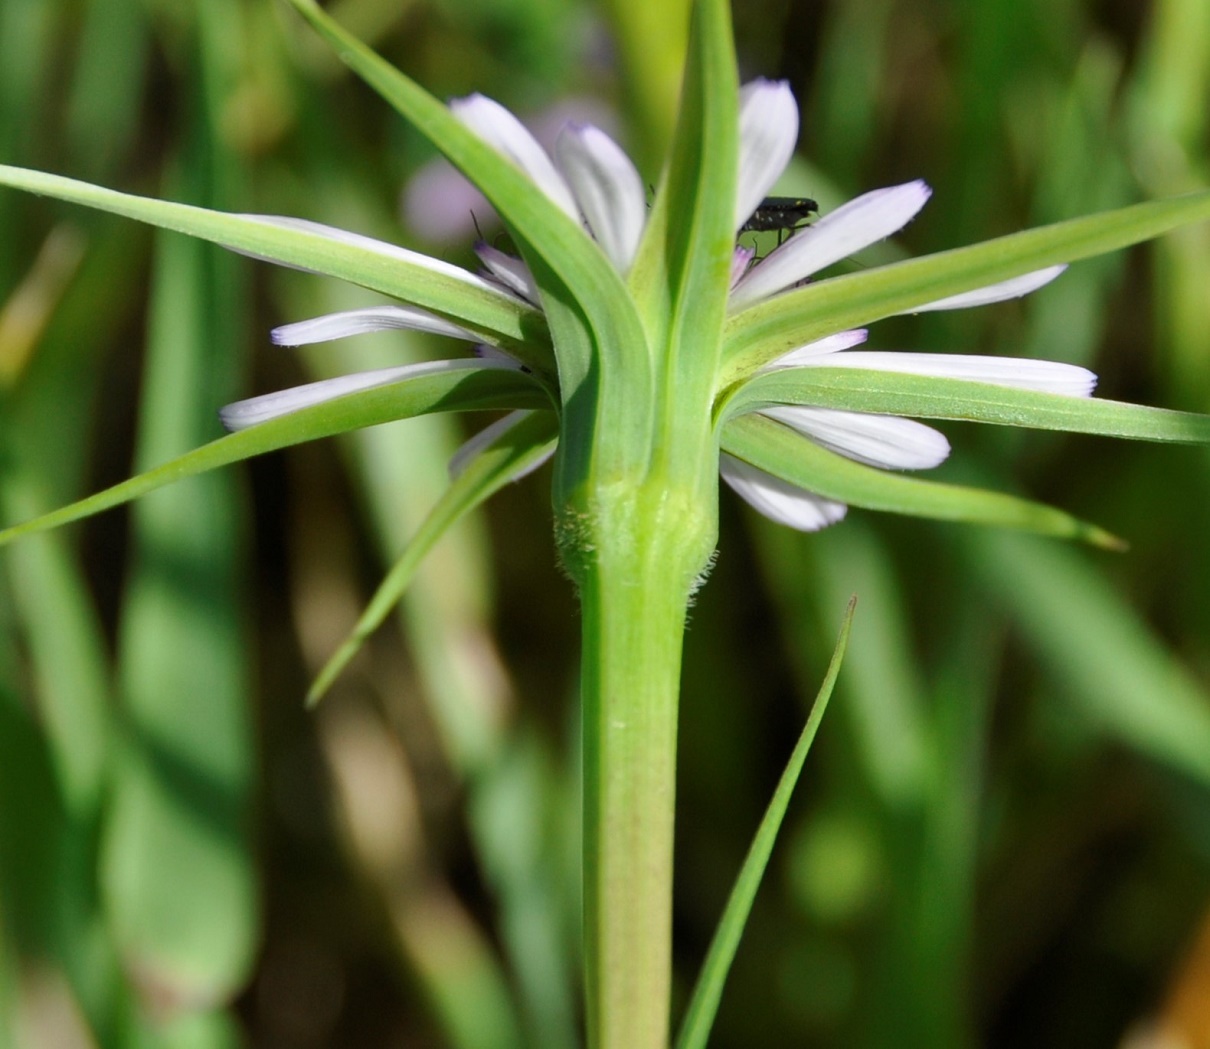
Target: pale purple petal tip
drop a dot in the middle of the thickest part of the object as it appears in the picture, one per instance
(509, 273)
(487, 352)
(741, 258)
(779, 500)
(1008, 289)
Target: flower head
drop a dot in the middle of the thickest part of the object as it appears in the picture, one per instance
(592, 180)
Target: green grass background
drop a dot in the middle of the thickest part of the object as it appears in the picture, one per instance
(1002, 837)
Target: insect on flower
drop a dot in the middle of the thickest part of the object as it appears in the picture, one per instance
(783, 214)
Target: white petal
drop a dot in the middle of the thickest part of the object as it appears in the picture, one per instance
(885, 441)
(839, 234)
(607, 187)
(485, 437)
(242, 414)
(509, 272)
(506, 134)
(359, 322)
(810, 353)
(1019, 372)
(1009, 289)
(381, 247)
(768, 133)
(779, 500)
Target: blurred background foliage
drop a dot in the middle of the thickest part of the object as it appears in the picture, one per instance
(1003, 836)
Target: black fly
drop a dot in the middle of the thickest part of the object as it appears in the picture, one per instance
(783, 214)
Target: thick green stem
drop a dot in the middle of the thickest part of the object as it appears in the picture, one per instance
(635, 587)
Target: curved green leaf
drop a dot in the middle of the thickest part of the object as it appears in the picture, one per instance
(464, 390)
(890, 393)
(520, 447)
(498, 318)
(699, 1016)
(778, 450)
(621, 360)
(762, 332)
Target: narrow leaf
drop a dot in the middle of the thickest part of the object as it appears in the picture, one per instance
(440, 287)
(699, 1016)
(930, 398)
(779, 451)
(511, 454)
(474, 388)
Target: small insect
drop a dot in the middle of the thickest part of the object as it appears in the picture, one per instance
(783, 214)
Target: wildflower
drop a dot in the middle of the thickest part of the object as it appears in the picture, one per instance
(592, 180)
(620, 319)
(441, 206)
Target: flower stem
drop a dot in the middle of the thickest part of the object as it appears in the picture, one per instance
(635, 588)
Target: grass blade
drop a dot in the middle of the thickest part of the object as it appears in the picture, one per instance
(703, 1006)
(524, 444)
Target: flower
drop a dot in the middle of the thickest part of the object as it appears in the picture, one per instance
(593, 180)
(440, 205)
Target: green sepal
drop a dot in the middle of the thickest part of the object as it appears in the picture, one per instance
(699, 1016)
(461, 390)
(684, 267)
(780, 451)
(511, 454)
(925, 397)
